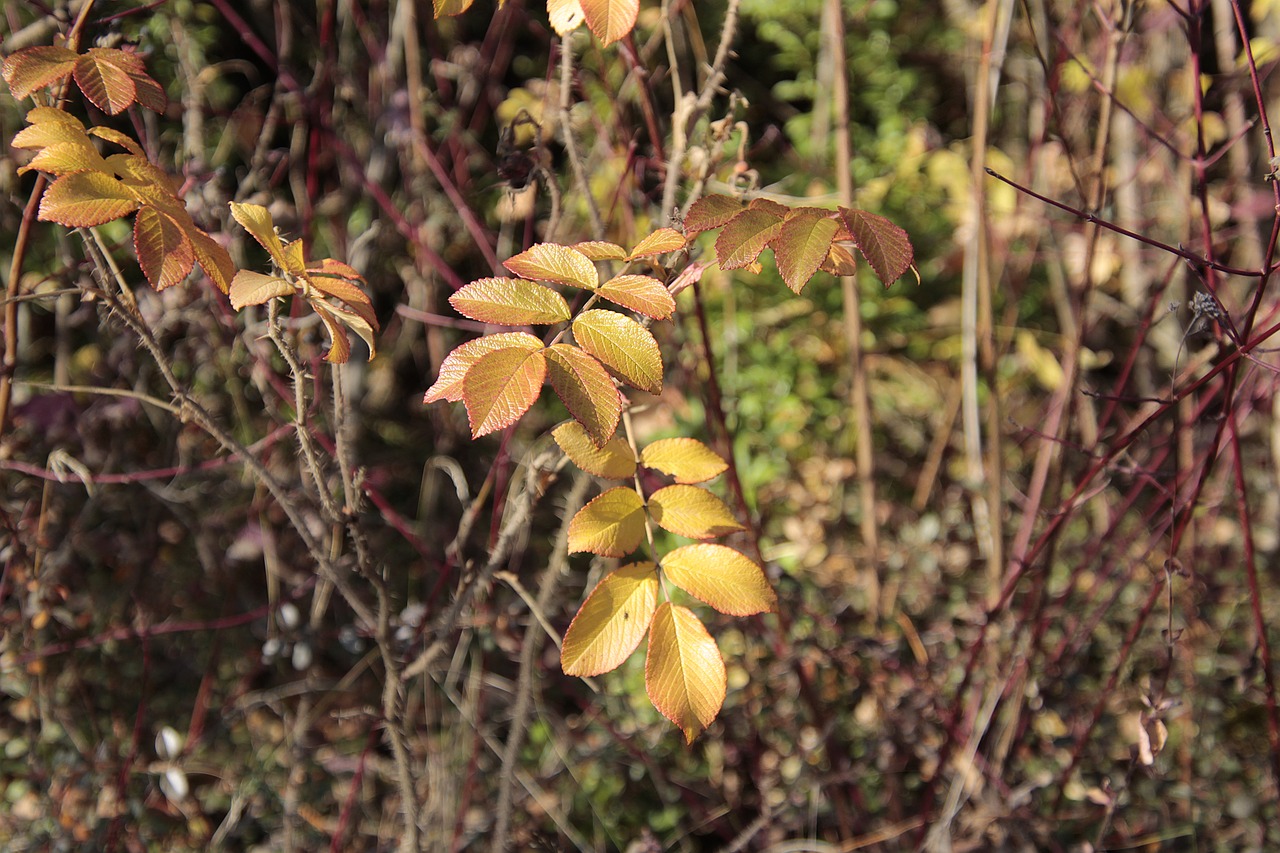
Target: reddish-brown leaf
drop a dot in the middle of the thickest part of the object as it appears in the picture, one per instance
(802, 243)
(711, 211)
(103, 81)
(34, 67)
(885, 246)
(744, 238)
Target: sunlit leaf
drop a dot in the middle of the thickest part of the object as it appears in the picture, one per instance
(612, 461)
(722, 577)
(710, 212)
(350, 319)
(612, 525)
(600, 250)
(641, 293)
(164, 252)
(586, 389)
(501, 386)
(510, 302)
(257, 220)
(254, 288)
(565, 16)
(86, 199)
(34, 67)
(339, 344)
(449, 8)
(448, 386)
(684, 673)
(885, 246)
(658, 243)
(839, 261)
(686, 459)
(213, 259)
(691, 511)
(611, 622)
(330, 268)
(115, 137)
(768, 205)
(744, 238)
(610, 20)
(801, 245)
(555, 263)
(623, 345)
(103, 81)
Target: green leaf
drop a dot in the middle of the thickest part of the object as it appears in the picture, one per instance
(623, 345)
(510, 302)
(611, 622)
(684, 673)
(586, 389)
(612, 525)
(802, 244)
(501, 386)
(722, 577)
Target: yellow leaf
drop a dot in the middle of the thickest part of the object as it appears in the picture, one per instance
(722, 577)
(257, 220)
(641, 293)
(623, 345)
(686, 459)
(164, 252)
(691, 511)
(612, 525)
(510, 302)
(611, 622)
(449, 8)
(501, 386)
(453, 371)
(586, 389)
(684, 672)
(86, 199)
(555, 263)
(1040, 361)
(610, 20)
(565, 16)
(613, 461)
(659, 242)
(254, 288)
(601, 250)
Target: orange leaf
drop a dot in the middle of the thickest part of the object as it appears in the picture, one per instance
(213, 259)
(501, 387)
(333, 315)
(330, 268)
(686, 459)
(601, 250)
(34, 67)
(711, 211)
(640, 293)
(340, 345)
(610, 20)
(802, 243)
(613, 460)
(659, 242)
(124, 141)
(623, 345)
(586, 389)
(510, 302)
(86, 199)
(691, 511)
(611, 622)
(555, 263)
(457, 364)
(164, 252)
(722, 577)
(684, 672)
(254, 288)
(103, 81)
(744, 238)
(612, 525)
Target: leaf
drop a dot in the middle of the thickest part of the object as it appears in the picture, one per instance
(99, 75)
(684, 673)
(839, 261)
(623, 345)
(744, 238)
(711, 211)
(257, 220)
(611, 622)
(449, 8)
(565, 16)
(556, 263)
(254, 288)
(457, 364)
(164, 252)
(722, 577)
(332, 314)
(86, 199)
(885, 246)
(802, 244)
(339, 344)
(330, 268)
(641, 293)
(690, 275)
(601, 250)
(510, 302)
(612, 525)
(114, 136)
(686, 459)
(691, 511)
(501, 387)
(34, 67)
(586, 389)
(610, 20)
(613, 460)
(658, 243)
(770, 206)
(337, 288)
(213, 259)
